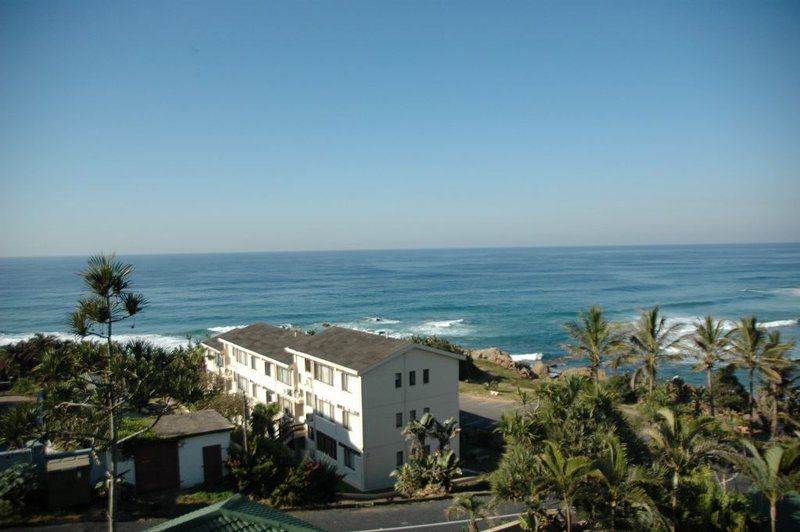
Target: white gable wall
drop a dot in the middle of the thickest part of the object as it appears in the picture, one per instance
(190, 456)
(382, 401)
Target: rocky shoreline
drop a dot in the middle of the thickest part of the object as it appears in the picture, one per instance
(536, 370)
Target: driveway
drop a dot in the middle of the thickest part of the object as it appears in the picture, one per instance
(483, 412)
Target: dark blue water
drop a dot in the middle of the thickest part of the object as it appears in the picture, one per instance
(516, 299)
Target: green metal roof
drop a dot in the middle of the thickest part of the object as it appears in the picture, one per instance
(238, 514)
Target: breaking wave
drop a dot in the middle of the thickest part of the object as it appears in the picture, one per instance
(158, 340)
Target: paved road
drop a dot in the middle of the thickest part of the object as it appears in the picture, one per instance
(483, 412)
(417, 516)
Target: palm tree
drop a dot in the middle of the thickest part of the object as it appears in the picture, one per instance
(651, 341)
(753, 353)
(444, 468)
(681, 444)
(417, 431)
(517, 427)
(624, 486)
(444, 432)
(594, 337)
(709, 343)
(786, 371)
(775, 472)
(110, 301)
(470, 507)
(563, 477)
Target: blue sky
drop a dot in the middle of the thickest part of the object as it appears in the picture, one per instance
(215, 126)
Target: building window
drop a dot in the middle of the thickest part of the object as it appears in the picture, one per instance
(426, 410)
(426, 376)
(323, 373)
(346, 420)
(326, 444)
(254, 386)
(398, 419)
(311, 433)
(269, 396)
(347, 382)
(252, 361)
(399, 458)
(412, 416)
(285, 404)
(412, 378)
(310, 399)
(267, 368)
(308, 365)
(324, 409)
(349, 457)
(398, 380)
(284, 375)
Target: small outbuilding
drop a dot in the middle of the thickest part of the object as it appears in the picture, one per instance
(189, 449)
(68, 481)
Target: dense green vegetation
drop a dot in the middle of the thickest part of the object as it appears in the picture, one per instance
(633, 453)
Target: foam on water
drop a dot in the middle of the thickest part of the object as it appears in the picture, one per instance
(527, 357)
(166, 342)
(225, 328)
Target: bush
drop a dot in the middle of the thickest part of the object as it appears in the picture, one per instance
(18, 484)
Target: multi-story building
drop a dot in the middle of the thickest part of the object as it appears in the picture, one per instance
(353, 392)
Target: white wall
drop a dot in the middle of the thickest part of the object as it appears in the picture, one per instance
(190, 456)
(382, 401)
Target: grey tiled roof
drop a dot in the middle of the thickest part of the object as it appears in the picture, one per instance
(264, 339)
(349, 348)
(191, 423)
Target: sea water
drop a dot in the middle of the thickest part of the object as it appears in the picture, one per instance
(515, 298)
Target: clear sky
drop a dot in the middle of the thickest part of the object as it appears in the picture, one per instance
(245, 126)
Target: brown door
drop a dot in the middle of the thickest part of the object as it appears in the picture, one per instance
(212, 463)
(157, 466)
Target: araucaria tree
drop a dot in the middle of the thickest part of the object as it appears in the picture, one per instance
(109, 301)
(651, 342)
(709, 343)
(594, 339)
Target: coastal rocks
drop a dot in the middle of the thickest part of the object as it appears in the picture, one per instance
(497, 356)
(585, 372)
(494, 355)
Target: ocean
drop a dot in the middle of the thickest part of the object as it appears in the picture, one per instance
(514, 298)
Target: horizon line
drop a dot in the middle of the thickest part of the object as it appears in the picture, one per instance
(432, 248)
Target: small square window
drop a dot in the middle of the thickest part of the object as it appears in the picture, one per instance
(398, 419)
(426, 376)
(399, 458)
(308, 365)
(412, 378)
(267, 369)
(426, 410)
(398, 380)
(412, 416)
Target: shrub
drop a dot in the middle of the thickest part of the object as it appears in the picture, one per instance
(728, 391)
(18, 483)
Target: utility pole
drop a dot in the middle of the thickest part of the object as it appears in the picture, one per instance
(244, 423)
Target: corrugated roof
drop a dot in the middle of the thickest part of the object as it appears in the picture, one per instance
(349, 348)
(236, 514)
(191, 423)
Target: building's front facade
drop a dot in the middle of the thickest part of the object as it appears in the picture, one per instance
(352, 391)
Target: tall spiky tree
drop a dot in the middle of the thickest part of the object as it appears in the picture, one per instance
(775, 472)
(651, 342)
(709, 343)
(681, 444)
(594, 339)
(109, 301)
(753, 353)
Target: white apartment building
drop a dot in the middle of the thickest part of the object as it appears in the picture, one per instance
(352, 391)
